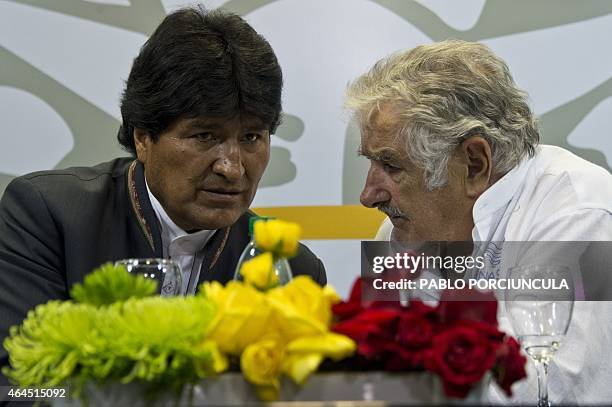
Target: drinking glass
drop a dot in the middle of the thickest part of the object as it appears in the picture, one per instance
(166, 272)
(540, 317)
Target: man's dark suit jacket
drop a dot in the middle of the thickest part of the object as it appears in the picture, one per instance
(57, 226)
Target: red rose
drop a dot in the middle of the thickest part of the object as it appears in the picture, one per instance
(356, 302)
(415, 329)
(372, 329)
(510, 365)
(374, 322)
(457, 305)
(462, 354)
(384, 318)
(346, 309)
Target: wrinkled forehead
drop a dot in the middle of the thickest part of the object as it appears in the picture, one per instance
(381, 117)
(381, 127)
(246, 122)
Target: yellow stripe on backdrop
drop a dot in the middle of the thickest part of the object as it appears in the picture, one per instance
(329, 222)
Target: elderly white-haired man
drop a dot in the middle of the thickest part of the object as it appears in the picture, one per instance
(454, 156)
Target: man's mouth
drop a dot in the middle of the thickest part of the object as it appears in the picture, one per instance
(392, 212)
(222, 195)
(223, 191)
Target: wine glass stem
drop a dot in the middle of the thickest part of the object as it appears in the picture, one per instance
(404, 297)
(542, 369)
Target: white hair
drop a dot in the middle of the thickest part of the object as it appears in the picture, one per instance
(444, 93)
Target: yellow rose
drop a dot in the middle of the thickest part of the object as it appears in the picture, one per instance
(291, 239)
(261, 364)
(331, 295)
(330, 345)
(244, 316)
(305, 354)
(299, 366)
(267, 237)
(304, 308)
(259, 271)
(277, 236)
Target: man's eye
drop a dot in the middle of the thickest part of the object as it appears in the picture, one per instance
(204, 136)
(390, 169)
(252, 137)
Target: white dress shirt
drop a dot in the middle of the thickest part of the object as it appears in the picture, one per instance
(185, 248)
(554, 196)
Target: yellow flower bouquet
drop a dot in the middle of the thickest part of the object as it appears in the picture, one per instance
(282, 331)
(275, 330)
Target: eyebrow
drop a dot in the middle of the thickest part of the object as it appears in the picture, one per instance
(384, 155)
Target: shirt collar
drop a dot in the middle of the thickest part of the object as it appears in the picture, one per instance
(170, 231)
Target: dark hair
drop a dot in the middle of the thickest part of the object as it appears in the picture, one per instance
(200, 63)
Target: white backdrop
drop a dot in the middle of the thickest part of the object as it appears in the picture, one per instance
(63, 64)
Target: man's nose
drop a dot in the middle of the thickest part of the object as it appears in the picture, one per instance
(229, 161)
(374, 191)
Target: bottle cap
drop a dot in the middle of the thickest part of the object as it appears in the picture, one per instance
(253, 219)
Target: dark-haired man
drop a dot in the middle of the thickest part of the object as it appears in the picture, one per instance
(201, 101)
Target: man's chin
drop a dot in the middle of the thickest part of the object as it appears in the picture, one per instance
(407, 234)
(216, 219)
(402, 229)
(401, 235)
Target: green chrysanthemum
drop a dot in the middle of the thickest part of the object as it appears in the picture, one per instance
(153, 340)
(46, 349)
(109, 283)
(164, 337)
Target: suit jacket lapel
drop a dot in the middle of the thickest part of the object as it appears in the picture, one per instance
(223, 251)
(141, 205)
(212, 255)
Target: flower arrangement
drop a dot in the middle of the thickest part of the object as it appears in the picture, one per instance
(458, 340)
(275, 330)
(115, 329)
(285, 330)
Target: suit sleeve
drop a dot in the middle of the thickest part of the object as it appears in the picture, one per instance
(307, 263)
(31, 259)
(320, 276)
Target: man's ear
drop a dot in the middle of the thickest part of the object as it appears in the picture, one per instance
(476, 153)
(142, 141)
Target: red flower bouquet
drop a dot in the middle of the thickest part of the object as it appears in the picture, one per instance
(458, 340)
